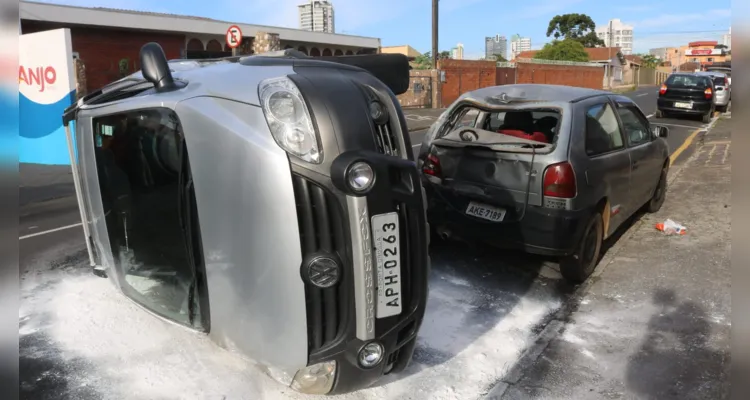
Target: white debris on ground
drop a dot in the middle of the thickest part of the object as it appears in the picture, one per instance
(469, 339)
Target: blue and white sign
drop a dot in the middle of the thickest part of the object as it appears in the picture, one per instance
(46, 86)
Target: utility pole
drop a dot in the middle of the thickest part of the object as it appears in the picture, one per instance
(609, 55)
(434, 33)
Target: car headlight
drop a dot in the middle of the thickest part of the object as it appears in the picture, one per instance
(289, 119)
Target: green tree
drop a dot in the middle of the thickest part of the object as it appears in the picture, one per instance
(500, 58)
(563, 50)
(649, 60)
(424, 61)
(579, 27)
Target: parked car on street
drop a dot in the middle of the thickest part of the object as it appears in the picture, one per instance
(552, 170)
(270, 201)
(687, 94)
(722, 86)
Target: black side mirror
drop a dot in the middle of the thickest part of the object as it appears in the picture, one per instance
(155, 67)
(660, 131)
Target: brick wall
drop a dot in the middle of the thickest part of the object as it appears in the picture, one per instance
(421, 87)
(462, 76)
(588, 77)
(101, 50)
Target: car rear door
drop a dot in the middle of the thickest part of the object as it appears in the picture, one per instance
(645, 160)
(608, 169)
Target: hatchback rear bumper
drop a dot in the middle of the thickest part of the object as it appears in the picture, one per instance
(542, 231)
(699, 107)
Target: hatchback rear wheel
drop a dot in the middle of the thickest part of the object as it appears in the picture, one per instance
(660, 193)
(577, 267)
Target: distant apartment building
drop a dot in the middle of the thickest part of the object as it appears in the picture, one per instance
(660, 53)
(495, 46)
(317, 16)
(457, 53)
(519, 44)
(616, 34)
(726, 39)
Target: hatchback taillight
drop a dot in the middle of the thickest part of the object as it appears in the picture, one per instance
(431, 166)
(708, 93)
(560, 181)
(663, 89)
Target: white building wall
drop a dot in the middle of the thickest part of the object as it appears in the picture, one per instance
(615, 33)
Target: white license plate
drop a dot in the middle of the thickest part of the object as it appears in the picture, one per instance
(484, 211)
(683, 105)
(388, 254)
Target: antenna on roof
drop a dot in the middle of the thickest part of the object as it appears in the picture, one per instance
(155, 67)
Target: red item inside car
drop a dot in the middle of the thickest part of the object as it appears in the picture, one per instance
(536, 136)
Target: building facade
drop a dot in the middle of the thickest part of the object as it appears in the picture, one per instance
(660, 53)
(617, 34)
(317, 16)
(495, 46)
(705, 52)
(519, 44)
(108, 41)
(406, 50)
(457, 53)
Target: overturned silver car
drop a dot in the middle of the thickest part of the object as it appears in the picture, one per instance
(270, 201)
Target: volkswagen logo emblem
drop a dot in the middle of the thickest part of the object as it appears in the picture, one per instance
(323, 272)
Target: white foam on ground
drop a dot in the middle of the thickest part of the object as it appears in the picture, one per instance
(134, 354)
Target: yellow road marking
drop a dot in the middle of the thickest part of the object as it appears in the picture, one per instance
(683, 146)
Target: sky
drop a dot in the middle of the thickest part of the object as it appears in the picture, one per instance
(398, 22)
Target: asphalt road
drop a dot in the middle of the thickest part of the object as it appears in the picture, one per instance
(680, 129)
(478, 298)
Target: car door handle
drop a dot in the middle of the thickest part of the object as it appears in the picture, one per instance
(635, 164)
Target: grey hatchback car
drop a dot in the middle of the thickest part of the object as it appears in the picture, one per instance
(551, 169)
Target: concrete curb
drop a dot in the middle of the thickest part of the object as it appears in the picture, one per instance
(556, 325)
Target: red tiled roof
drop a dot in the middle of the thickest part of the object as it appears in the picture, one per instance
(602, 53)
(527, 54)
(633, 58)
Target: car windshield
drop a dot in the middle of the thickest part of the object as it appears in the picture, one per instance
(686, 81)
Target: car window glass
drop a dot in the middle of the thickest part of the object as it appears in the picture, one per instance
(602, 130)
(636, 130)
(687, 81)
(141, 170)
(469, 118)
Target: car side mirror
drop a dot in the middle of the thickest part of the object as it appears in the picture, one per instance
(660, 131)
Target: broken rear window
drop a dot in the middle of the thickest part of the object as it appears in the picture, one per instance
(538, 125)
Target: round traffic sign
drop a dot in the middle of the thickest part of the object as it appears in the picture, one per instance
(234, 36)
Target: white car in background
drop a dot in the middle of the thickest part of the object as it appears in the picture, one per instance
(723, 88)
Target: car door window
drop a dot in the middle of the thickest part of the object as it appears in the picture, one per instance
(634, 125)
(602, 130)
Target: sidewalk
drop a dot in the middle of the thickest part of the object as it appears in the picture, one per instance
(655, 319)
